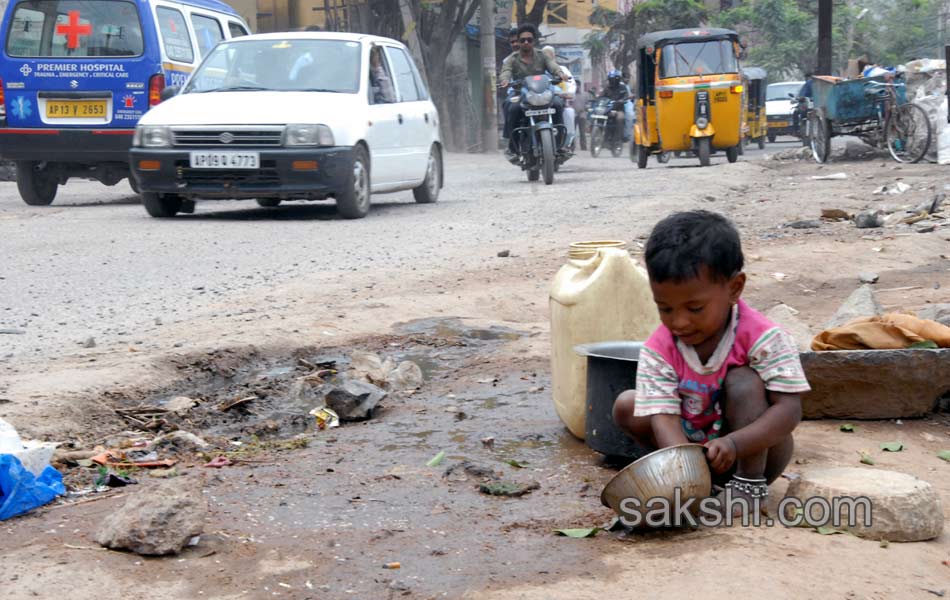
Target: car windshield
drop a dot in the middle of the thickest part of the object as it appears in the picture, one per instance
(698, 58)
(283, 65)
(780, 91)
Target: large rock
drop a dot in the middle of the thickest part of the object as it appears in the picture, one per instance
(156, 520)
(351, 399)
(874, 384)
(861, 303)
(783, 316)
(936, 312)
(903, 508)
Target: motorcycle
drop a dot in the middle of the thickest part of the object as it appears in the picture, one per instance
(537, 139)
(606, 126)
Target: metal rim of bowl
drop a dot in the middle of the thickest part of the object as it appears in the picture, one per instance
(641, 459)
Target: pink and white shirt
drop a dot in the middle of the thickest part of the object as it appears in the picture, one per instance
(672, 380)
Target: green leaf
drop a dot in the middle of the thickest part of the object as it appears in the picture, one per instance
(515, 463)
(944, 454)
(925, 345)
(892, 446)
(827, 530)
(848, 428)
(579, 533)
(437, 459)
(867, 458)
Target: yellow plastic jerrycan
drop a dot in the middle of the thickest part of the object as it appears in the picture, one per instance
(600, 294)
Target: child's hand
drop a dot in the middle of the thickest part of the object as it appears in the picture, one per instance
(721, 454)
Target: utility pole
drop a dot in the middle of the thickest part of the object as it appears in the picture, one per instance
(486, 26)
(825, 51)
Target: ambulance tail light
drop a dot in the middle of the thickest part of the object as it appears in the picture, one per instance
(155, 86)
(3, 102)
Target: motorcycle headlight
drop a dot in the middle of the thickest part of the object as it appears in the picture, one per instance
(542, 99)
(306, 134)
(152, 136)
(702, 122)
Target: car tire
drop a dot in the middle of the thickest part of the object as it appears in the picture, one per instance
(134, 185)
(160, 205)
(762, 142)
(428, 192)
(771, 138)
(268, 202)
(354, 201)
(36, 187)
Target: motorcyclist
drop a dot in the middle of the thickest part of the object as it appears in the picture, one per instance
(527, 62)
(802, 99)
(618, 91)
(566, 90)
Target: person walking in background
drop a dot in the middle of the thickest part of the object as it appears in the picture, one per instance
(580, 111)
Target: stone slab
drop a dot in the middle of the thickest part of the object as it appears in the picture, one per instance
(874, 384)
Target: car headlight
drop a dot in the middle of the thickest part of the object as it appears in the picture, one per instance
(702, 122)
(542, 99)
(306, 134)
(152, 136)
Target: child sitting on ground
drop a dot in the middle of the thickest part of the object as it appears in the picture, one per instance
(715, 372)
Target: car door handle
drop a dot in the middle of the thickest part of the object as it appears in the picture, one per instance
(427, 117)
(400, 119)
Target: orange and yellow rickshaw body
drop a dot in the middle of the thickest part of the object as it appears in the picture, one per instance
(755, 122)
(690, 94)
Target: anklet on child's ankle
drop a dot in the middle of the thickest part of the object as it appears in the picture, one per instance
(755, 487)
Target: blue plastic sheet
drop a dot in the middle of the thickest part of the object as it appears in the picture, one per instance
(21, 491)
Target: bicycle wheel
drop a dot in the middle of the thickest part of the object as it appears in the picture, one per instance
(907, 132)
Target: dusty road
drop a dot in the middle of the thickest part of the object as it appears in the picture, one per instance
(228, 299)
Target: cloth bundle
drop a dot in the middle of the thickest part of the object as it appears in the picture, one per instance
(890, 331)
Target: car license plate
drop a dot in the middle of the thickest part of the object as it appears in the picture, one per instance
(778, 124)
(542, 111)
(225, 160)
(76, 109)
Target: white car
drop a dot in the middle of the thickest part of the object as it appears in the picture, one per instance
(292, 116)
(779, 109)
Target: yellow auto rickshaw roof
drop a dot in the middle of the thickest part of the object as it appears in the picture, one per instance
(658, 39)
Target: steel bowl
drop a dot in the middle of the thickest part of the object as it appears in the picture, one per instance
(659, 475)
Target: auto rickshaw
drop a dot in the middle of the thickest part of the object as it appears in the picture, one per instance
(755, 128)
(689, 94)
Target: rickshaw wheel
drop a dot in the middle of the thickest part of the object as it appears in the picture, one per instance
(704, 149)
(771, 138)
(732, 154)
(761, 142)
(819, 130)
(642, 156)
(663, 157)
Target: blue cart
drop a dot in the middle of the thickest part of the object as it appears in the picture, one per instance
(874, 109)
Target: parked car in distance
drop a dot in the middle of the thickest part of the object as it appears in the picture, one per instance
(292, 116)
(780, 109)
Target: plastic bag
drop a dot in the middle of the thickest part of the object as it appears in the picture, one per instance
(21, 491)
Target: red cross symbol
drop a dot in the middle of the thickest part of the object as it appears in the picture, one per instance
(73, 30)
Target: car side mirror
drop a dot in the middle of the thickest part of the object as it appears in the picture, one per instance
(169, 92)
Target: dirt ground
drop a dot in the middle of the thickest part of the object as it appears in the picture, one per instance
(321, 521)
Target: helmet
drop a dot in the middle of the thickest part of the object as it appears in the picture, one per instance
(614, 78)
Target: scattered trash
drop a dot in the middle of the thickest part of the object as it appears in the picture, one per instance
(779, 276)
(866, 458)
(488, 442)
(325, 417)
(579, 533)
(164, 473)
(848, 428)
(805, 224)
(180, 404)
(892, 188)
(892, 446)
(834, 214)
(884, 544)
(944, 455)
(462, 470)
(507, 488)
(827, 530)
(160, 519)
(218, 462)
(504, 253)
(515, 464)
(229, 404)
(869, 220)
(34, 455)
(392, 565)
(89, 342)
(437, 459)
(21, 491)
(113, 480)
(179, 441)
(926, 228)
(132, 458)
(12, 332)
(868, 277)
(831, 177)
(352, 399)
